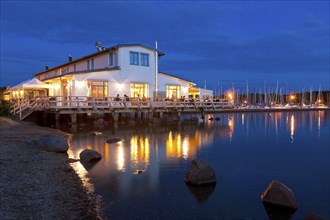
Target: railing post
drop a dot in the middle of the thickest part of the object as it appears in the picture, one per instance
(78, 106)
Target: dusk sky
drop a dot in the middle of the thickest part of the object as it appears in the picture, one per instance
(225, 43)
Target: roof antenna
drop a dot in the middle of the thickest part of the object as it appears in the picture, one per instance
(99, 47)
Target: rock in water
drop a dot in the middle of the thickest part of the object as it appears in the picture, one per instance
(53, 143)
(200, 173)
(279, 194)
(96, 133)
(113, 140)
(89, 155)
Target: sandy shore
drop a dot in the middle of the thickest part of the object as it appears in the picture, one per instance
(36, 184)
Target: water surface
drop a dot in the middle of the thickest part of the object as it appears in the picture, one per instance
(142, 176)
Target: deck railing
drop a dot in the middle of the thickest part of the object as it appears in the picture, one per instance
(84, 102)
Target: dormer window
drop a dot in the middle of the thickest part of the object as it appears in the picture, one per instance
(134, 58)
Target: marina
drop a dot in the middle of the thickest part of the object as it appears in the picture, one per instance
(145, 170)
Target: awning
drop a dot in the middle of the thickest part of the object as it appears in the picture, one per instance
(31, 84)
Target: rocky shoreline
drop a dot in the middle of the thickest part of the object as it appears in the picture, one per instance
(36, 183)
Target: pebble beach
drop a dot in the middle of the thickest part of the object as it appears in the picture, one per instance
(38, 184)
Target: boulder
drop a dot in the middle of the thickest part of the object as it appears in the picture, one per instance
(279, 194)
(200, 173)
(96, 133)
(113, 140)
(89, 155)
(53, 143)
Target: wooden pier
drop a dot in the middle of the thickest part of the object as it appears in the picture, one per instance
(73, 105)
(146, 108)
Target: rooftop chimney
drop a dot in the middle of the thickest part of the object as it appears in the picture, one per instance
(47, 67)
(70, 58)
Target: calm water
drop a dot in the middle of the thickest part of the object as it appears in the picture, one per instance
(247, 152)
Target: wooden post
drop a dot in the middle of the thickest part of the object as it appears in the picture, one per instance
(115, 116)
(73, 118)
(179, 115)
(57, 117)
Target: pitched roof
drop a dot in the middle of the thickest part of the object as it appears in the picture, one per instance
(105, 50)
(176, 77)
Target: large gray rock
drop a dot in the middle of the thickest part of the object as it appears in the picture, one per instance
(89, 155)
(200, 173)
(53, 143)
(279, 194)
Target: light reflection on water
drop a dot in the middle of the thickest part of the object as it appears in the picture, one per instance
(143, 175)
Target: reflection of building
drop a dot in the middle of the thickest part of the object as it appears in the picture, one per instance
(134, 163)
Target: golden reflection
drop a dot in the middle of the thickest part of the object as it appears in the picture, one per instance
(120, 158)
(231, 127)
(140, 153)
(80, 170)
(184, 146)
(292, 128)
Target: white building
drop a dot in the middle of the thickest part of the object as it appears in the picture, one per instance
(124, 69)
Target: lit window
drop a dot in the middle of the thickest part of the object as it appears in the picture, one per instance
(144, 59)
(172, 91)
(134, 58)
(98, 88)
(140, 90)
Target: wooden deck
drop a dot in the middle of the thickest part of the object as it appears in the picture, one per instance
(80, 104)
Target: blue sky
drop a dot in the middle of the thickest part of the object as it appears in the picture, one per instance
(224, 43)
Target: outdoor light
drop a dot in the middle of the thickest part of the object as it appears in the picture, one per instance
(57, 86)
(230, 96)
(21, 92)
(120, 86)
(292, 97)
(80, 84)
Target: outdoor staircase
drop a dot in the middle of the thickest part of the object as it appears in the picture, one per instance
(25, 107)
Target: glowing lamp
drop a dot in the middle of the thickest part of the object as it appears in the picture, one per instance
(57, 86)
(120, 86)
(79, 84)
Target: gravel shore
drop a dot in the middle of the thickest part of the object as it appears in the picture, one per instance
(37, 184)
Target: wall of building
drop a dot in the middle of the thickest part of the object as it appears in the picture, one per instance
(136, 73)
(164, 80)
(119, 81)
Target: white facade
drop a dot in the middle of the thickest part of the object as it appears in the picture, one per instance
(122, 69)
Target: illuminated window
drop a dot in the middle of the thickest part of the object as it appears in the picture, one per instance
(139, 90)
(134, 58)
(144, 59)
(172, 91)
(98, 88)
